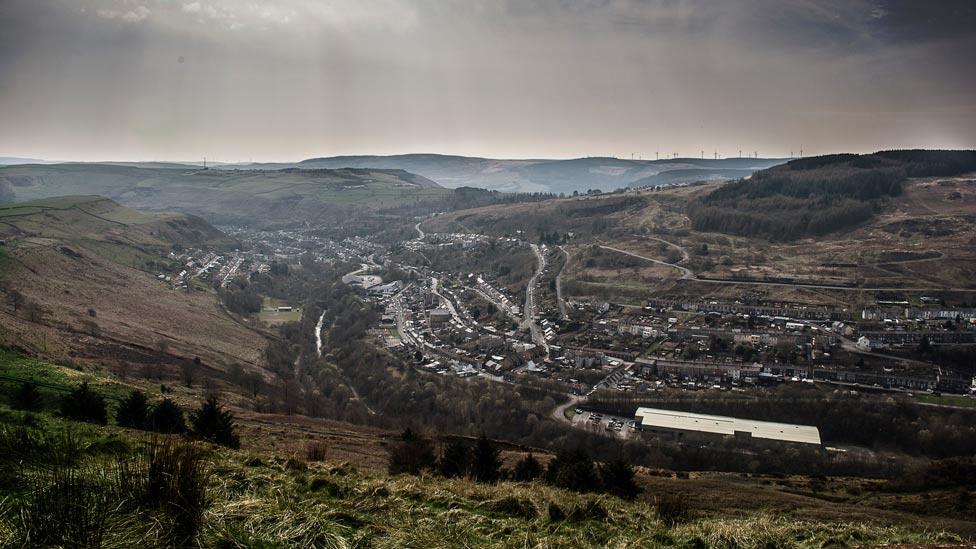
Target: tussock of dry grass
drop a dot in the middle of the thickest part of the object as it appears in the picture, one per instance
(328, 506)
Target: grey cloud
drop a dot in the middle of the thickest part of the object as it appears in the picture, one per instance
(299, 78)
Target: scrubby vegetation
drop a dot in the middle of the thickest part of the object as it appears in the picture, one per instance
(84, 486)
(818, 195)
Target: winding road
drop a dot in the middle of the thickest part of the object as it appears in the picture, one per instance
(688, 274)
(531, 308)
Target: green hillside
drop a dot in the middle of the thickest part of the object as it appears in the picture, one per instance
(226, 195)
(100, 219)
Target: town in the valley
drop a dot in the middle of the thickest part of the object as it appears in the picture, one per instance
(472, 324)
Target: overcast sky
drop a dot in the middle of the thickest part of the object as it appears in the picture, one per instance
(286, 80)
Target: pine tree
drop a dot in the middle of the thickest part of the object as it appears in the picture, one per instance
(485, 463)
(573, 469)
(133, 411)
(455, 460)
(618, 479)
(528, 468)
(28, 398)
(167, 417)
(211, 422)
(412, 454)
(83, 404)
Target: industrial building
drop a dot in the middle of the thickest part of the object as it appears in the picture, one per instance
(679, 425)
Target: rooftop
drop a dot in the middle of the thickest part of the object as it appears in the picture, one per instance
(724, 425)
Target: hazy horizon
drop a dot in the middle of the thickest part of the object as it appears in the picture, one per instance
(120, 80)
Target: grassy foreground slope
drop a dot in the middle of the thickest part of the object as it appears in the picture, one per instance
(231, 196)
(300, 482)
(262, 497)
(79, 280)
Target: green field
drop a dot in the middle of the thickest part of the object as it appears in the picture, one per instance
(52, 380)
(271, 316)
(947, 400)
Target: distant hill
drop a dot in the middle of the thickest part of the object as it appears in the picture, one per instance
(506, 175)
(88, 267)
(8, 160)
(817, 195)
(541, 175)
(233, 196)
(671, 177)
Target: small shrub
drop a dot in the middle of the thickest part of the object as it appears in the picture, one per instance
(590, 510)
(556, 514)
(322, 484)
(296, 465)
(316, 451)
(83, 404)
(514, 507)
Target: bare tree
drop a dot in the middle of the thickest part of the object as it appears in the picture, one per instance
(35, 313)
(187, 371)
(17, 299)
(235, 374)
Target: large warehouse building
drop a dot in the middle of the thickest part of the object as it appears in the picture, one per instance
(685, 424)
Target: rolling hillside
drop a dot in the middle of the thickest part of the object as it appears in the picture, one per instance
(818, 195)
(325, 188)
(78, 276)
(226, 196)
(921, 238)
(556, 176)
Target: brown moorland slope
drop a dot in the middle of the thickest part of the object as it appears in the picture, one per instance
(83, 266)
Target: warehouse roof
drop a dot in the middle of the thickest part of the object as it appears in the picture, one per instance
(724, 425)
